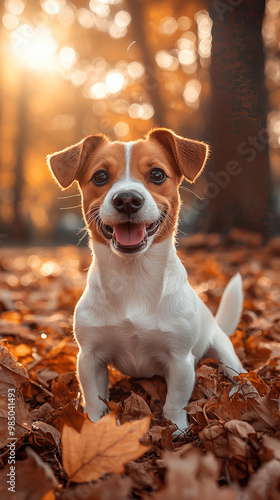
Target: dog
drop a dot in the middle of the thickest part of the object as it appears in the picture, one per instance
(138, 311)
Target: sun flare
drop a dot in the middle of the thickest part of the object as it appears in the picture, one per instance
(35, 48)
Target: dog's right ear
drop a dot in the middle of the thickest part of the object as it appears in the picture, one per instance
(66, 165)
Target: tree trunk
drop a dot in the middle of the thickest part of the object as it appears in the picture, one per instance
(238, 188)
(19, 230)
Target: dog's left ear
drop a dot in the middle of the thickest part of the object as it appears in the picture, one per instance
(66, 165)
(189, 156)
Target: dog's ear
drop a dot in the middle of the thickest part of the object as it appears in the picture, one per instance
(189, 156)
(66, 165)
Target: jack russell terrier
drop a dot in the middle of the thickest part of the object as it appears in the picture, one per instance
(138, 312)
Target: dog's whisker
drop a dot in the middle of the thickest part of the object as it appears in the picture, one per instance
(81, 239)
(65, 197)
(69, 208)
(81, 230)
(191, 191)
(92, 209)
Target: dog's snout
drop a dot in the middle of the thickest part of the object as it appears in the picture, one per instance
(128, 202)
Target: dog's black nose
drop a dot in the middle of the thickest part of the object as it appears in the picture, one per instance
(128, 202)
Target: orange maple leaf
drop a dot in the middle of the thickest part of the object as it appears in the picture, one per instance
(101, 447)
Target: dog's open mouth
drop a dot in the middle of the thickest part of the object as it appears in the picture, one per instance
(130, 237)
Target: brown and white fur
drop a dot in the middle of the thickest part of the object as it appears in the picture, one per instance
(138, 311)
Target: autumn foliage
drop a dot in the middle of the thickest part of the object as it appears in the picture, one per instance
(231, 449)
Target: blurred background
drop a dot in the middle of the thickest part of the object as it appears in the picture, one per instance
(209, 70)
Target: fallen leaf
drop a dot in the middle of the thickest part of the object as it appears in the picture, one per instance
(161, 437)
(237, 438)
(134, 407)
(273, 445)
(193, 476)
(100, 490)
(34, 478)
(262, 413)
(214, 438)
(265, 483)
(101, 447)
(16, 371)
(141, 474)
(49, 432)
(12, 374)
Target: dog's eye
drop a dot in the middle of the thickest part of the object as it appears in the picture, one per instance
(157, 175)
(100, 177)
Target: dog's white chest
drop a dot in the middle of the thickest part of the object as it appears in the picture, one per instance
(139, 322)
(136, 351)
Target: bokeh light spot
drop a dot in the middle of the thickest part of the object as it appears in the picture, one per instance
(98, 91)
(165, 60)
(52, 7)
(114, 82)
(168, 25)
(121, 129)
(99, 8)
(186, 57)
(10, 21)
(122, 19)
(66, 16)
(86, 18)
(67, 57)
(192, 92)
(15, 7)
(135, 69)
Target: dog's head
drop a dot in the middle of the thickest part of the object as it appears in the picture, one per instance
(130, 190)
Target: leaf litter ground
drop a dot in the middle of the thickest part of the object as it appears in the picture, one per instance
(232, 447)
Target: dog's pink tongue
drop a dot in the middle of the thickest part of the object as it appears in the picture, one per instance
(128, 234)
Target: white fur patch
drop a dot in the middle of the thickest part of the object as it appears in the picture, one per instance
(128, 151)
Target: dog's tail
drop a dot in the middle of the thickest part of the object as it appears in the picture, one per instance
(230, 306)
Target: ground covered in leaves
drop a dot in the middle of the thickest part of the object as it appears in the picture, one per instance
(231, 449)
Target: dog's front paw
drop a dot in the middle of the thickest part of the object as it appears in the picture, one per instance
(179, 419)
(95, 413)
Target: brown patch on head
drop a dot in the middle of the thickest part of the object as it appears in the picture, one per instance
(79, 163)
(67, 165)
(188, 156)
(149, 155)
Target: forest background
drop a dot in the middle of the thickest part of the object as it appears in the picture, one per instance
(209, 70)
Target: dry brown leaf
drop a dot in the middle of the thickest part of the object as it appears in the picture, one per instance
(161, 437)
(16, 371)
(134, 408)
(101, 447)
(49, 432)
(69, 416)
(252, 378)
(273, 445)
(226, 407)
(113, 487)
(265, 483)
(141, 474)
(237, 438)
(193, 476)
(214, 439)
(12, 374)
(34, 478)
(262, 414)
(197, 413)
